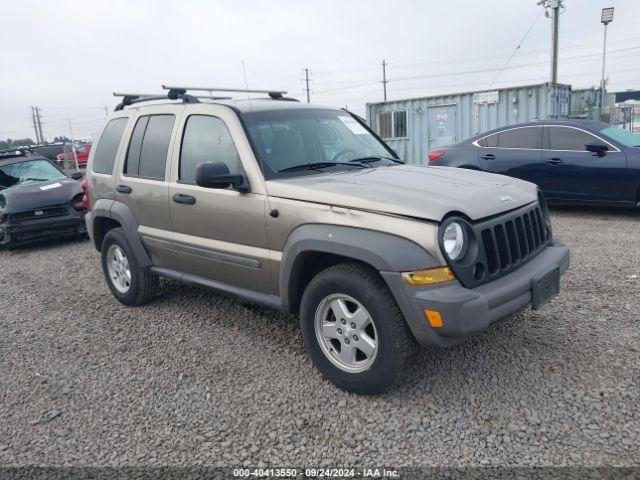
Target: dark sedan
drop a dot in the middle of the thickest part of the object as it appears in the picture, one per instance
(572, 161)
(38, 200)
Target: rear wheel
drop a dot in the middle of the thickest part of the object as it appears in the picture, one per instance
(353, 329)
(130, 284)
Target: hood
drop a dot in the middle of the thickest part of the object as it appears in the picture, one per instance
(410, 190)
(38, 195)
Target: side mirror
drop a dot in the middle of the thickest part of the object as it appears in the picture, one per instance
(77, 175)
(599, 149)
(217, 175)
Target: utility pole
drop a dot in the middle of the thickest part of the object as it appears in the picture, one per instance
(39, 123)
(556, 8)
(555, 16)
(384, 79)
(35, 125)
(306, 81)
(606, 18)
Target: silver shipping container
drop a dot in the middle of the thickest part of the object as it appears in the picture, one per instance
(585, 101)
(413, 127)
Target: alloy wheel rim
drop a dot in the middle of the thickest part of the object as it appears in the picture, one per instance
(118, 269)
(346, 333)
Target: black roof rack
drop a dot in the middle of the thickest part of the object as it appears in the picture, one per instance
(180, 93)
(15, 152)
(274, 94)
(131, 98)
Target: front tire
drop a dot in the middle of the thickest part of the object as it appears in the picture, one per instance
(353, 329)
(130, 284)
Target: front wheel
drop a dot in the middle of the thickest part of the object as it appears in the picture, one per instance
(353, 329)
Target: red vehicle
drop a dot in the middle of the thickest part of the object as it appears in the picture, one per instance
(82, 152)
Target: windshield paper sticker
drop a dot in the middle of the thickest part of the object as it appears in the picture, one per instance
(49, 187)
(353, 125)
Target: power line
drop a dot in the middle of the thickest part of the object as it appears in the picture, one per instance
(468, 72)
(516, 49)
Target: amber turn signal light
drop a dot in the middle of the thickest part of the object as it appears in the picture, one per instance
(429, 276)
(434, 318)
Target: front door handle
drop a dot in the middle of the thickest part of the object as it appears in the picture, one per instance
(126, 189)
(554, 161)
(488, 156)
(184, 199)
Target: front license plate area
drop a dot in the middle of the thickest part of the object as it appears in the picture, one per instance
(544, 288)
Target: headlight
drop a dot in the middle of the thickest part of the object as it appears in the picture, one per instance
(453, 240)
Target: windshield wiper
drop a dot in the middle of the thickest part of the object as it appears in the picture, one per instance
(375, 158)
(317, 165)
(30, 179)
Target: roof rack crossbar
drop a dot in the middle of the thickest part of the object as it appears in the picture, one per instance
(224, 89)
(131, 98)
(275, 94)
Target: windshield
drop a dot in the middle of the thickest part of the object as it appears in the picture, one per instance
(328, 139)
(625, 137)
(27, 173)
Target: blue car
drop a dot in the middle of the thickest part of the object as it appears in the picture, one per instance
(581, 162)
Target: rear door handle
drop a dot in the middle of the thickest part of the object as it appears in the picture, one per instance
(554, 161)
(184, 199)
(488, 156)
(124, 189)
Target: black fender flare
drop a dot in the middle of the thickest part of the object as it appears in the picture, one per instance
(122, 214)
(385, 252)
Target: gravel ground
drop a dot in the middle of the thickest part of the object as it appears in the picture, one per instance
(195, 378)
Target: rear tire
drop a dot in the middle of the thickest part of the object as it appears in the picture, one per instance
(354, 292)
(130, 284)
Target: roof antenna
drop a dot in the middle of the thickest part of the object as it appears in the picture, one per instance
(246, 85)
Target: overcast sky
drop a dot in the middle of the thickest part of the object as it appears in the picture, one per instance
(68, 56)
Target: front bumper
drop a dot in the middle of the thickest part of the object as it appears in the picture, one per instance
(467, 311)
(27, 231)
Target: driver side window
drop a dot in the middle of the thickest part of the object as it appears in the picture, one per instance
(206, 139)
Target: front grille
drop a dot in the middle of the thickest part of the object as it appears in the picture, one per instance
(501, 244)
(511, 241)
(38, 213)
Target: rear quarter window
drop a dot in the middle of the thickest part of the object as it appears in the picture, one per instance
(149, 146)
(107, 148)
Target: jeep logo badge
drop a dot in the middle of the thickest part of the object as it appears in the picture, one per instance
(505, 198)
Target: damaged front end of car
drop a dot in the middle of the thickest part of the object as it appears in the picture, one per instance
(23, 223)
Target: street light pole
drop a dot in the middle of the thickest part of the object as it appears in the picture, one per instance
(73, 146)
(606, 18)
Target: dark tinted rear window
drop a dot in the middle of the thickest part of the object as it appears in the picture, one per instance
(527, 137)
(107, 148)
(132, 164)
(149, 146)
(521, 138)
(563, 138)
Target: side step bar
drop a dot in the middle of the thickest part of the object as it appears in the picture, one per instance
(270, 301)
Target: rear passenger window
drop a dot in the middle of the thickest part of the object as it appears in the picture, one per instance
(206, 139)
(149, 146)
(563, 138)
(521, 138)
(107, 149)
